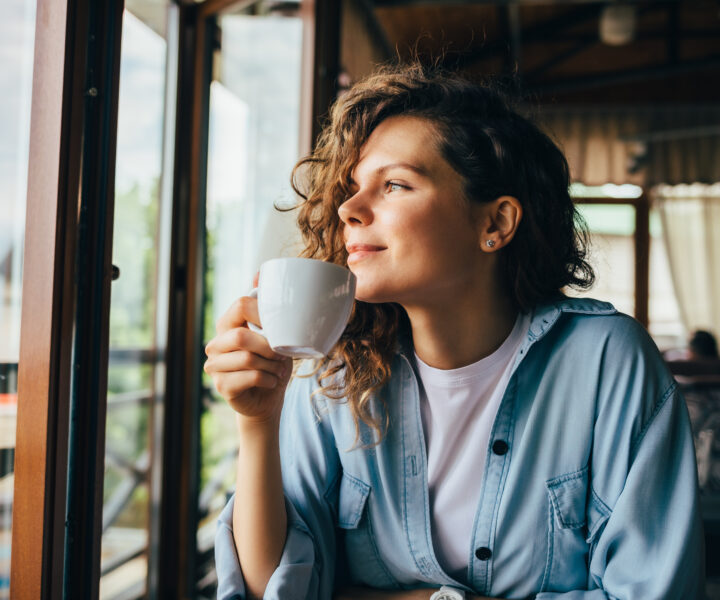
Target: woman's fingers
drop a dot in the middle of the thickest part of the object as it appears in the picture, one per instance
(241, 338)
(232, 385)
(242, 360)
(241, 311)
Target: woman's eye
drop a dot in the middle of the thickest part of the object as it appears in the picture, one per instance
(392, 186)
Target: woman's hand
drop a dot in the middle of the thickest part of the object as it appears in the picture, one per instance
(245, 370)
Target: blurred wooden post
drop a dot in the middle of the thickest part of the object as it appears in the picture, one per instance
(172, 567)
(320, 66)
(642, 259)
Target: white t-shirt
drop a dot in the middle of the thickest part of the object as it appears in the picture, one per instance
(458, 408)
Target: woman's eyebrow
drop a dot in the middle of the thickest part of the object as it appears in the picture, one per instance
(420, 170)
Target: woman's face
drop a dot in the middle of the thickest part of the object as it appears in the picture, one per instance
(410, 235)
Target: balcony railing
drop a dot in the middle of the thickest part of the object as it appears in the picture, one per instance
(124, 548)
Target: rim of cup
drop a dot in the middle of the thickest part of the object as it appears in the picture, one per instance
(308, 260)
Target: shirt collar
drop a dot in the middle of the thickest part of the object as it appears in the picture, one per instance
(546, 315)
(543, 319)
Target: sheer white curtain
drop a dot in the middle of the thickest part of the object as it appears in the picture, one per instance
(691, 227)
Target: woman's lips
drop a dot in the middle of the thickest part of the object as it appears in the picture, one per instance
(357, 252)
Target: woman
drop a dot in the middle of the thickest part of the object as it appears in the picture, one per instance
(474, 428)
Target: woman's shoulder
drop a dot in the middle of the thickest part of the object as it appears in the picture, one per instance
(591, 341)
(611, 355)
(589, 322)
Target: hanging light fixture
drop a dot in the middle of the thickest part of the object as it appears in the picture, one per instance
(617, 24)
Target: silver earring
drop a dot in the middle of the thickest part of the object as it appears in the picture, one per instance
(490, 243)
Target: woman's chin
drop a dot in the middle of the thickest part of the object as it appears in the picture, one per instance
(372, 296)
(367, 299)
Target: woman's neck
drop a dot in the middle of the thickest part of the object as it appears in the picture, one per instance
(460, 332)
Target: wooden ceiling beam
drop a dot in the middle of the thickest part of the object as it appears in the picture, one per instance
(539, 32)
(558, 59)
(576, 49)
(377, 33)
(627, 76)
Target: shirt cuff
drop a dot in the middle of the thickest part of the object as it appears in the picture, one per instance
(295, 577)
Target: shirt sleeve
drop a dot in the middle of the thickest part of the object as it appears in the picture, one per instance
(648, 543)
(310, 468)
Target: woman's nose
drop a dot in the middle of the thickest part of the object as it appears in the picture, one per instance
(355, 210)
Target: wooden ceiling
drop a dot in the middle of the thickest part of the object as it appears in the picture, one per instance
(552, 50)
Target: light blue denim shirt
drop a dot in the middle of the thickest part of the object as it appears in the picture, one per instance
(589, 487)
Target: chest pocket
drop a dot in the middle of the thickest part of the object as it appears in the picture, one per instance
(568, 549)
(364, 561)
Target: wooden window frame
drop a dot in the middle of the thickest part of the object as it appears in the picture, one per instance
(641, 243)
(62, 368)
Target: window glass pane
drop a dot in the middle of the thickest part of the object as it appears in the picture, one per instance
(17, 36)
(608, 190)
(135, 370)
(665, 324)
(612, 253)
(252, 147)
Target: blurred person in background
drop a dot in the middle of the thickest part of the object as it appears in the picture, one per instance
(702, 345)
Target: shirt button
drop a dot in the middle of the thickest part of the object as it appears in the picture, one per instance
(500, 447)
(483, 553)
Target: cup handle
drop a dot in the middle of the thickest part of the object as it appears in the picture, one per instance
(253, 294)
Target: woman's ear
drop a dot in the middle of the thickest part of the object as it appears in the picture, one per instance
(502, 218)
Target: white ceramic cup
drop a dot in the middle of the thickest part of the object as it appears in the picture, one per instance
(304, 305)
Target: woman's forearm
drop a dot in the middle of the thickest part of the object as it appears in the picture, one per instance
(259, 517)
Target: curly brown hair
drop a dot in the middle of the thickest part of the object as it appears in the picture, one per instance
(495, 151)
